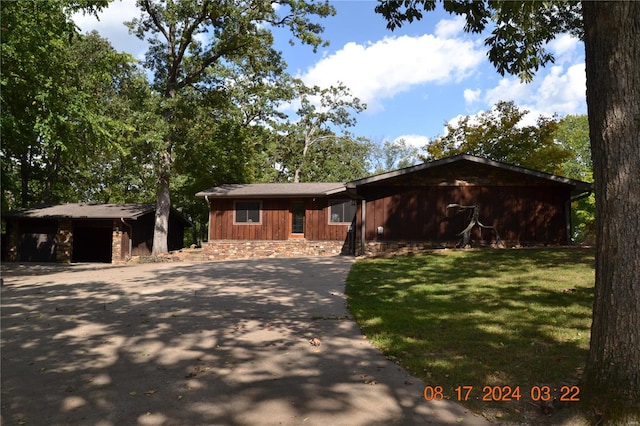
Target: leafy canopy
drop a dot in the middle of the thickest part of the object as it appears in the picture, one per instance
(499, 134)
(517, 38)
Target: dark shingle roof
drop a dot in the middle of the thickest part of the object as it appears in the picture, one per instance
(310, 189)
(579, 186)
(85, 211)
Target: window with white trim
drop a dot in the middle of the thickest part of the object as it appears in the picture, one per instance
(341, 211)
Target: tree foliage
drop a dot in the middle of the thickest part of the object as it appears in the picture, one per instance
(498, 134)
(391, 155)
(194, 43)
(573, 134)
(316, 145)
(519, 30)
(63, 100)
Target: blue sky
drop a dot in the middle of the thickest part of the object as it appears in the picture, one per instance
(414, 79)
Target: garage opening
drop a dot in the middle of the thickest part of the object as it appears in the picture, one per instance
(91, 244)
(37, 241)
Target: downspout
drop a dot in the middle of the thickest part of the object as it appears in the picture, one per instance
(130, 236)
(363, 214)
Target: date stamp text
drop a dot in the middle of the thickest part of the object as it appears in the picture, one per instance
(545, 393)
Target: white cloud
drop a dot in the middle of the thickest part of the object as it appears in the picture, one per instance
(559, 91)
(418, 141)
(508, 89)
(564, 47)
(447, 28)
(110, 25)
(380, 70)
(471, 96)
(563, 92)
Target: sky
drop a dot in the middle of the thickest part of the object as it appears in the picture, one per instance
(414, 80)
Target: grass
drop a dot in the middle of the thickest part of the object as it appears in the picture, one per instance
(480, 318)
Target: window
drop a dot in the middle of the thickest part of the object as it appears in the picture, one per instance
(342, 211)
(247, 212)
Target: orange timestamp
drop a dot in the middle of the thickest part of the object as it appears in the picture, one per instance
(563, 393)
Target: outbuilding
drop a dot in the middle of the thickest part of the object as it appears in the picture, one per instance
(78, 232)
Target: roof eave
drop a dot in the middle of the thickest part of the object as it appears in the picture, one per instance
(353, 185)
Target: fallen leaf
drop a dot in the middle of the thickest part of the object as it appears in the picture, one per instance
(407, 382)
(151, 392)
(133, 393)
(315, 342)
(180, 397)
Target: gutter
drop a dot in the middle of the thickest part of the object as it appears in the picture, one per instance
(581, 196)
(206, 198)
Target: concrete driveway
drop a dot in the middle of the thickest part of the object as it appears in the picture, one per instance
(218, 343)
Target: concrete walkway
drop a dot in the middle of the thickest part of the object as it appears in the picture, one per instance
(217, 343)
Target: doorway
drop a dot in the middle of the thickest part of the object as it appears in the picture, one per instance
(297, 219)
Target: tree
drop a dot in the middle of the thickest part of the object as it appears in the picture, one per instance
(234, 33)
(321, 113)
(392, 155)
(338, 159)
(57, 90)
(498, 134)
(573, 134)
(611, 382)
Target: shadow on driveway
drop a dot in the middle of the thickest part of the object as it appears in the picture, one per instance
(203, 343)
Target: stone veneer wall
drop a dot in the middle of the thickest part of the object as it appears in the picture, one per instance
(116, 244)
(13, 237)
(240, 249)
(64, 242)
(374, 248)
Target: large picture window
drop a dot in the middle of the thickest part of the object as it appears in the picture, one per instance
(247, 212)
(342, 211)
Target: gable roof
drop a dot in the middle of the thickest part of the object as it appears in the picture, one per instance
(467, 160)
(90, 211)
(273, 190)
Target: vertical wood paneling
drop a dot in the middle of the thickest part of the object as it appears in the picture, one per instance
(520, 213)
(275, 221)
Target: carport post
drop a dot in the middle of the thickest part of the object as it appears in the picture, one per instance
(64, 241)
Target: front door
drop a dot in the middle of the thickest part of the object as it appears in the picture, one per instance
(297, 219)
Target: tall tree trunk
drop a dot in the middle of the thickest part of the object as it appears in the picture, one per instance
(25, 168)
(612, 43)
(163, 205)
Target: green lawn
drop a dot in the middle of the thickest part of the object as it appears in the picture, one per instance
(480, 318)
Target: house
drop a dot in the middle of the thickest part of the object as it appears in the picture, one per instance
(428, 205)
(279, 219)
(424, 205)
(86, 232)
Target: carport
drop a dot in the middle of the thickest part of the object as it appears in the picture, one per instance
(78, 232)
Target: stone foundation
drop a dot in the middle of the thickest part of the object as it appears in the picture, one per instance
(379, 248)
(234, 249)
(376, 248)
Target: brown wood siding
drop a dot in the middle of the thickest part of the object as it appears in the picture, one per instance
(275, 221)
(527, 214)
